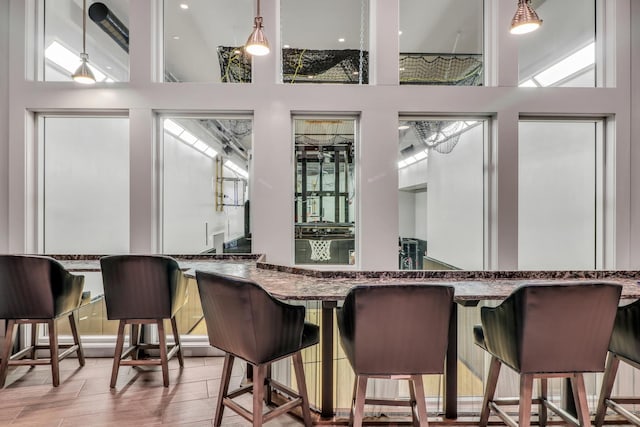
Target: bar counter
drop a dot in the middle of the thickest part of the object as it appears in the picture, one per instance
(330, 287)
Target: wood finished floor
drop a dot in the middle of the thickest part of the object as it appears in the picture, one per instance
(139, 399)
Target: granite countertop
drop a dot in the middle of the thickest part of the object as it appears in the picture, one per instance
(296, 283)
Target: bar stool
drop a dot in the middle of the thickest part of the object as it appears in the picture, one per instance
(545, 331)
(138, 290)
(395, 331)
(624, 346)
(35, 290)
(245, 321)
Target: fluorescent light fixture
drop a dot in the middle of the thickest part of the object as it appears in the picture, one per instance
(411, 160)
(569, 66)
(421, 155)
(199, 145)
(237, 169)
(66, 59)
(188, 137)
(172, 127)
(528, 83)
(210, 152)
(403, 127)
(402, 164)
(341, 40)
(184, 6)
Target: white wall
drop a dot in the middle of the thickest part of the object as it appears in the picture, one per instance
(4, 126)
(189, 201)
(407, 216)
(422, 213)
(556, 196)
(455, 206)
(86, 185)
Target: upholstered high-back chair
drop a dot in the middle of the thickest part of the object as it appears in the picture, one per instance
(138, 290)
(623, 347)
(543, 331)
(395, 331)
(245, 321)
(38, 290)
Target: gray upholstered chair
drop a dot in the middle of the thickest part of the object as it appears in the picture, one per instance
(624, 346)
(138, 290)
(544, 331)
(245, 321)
(397, 331)
(38, 290)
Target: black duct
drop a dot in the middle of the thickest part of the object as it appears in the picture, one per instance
(110, 24)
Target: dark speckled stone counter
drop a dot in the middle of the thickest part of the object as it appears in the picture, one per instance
(296, 283)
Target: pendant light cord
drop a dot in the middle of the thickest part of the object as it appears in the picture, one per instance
(84, 26)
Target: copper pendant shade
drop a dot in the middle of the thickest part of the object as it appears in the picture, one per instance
(526, 19)
(257, 44)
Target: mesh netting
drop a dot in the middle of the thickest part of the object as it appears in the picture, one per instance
(453, 70)
(320, 250)
(441, 136)
(345, 66)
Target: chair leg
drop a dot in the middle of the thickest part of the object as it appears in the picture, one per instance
(490, 390)
(34, 338)
(542, 410)
(413, 403)
(76, 338)
(302, 387)
(580, 399)
(163, 353)
(6, 354)
(134, 340)
(526, 394)
(53, 349)
(607, 385)
(361, 391)
(224, 388)
(176, 339)
(118, 353)
(259, 374)
(416, 383)
(353, 401)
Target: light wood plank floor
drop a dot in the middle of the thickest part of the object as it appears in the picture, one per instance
(139, 399)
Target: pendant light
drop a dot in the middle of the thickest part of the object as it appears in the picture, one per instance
(84, 74)
(257, 43)
(526, 19)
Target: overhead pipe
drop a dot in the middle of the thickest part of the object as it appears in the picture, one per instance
(110, 24)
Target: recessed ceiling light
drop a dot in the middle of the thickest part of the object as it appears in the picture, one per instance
(341, 40)
(400, 32)
(109, 67)
(286, 46)
(403, 127)
(184, 6)
(176, 37)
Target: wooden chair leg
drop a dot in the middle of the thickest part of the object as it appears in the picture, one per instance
(259, 374)
(421, 406)
(53, 349)
(34, 341)
(580, 399)
(227, 368)
(415, 418)
(361, 391)
(118, 353)
(162, 337)
(302, 387)
(490, 390)
(542, 410)
(134, 340)
(6, 354)
(607, 385)
(76, 338)
(353, 401)
(176, 339)
(526, 394)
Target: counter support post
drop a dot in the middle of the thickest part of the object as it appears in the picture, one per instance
(451, 367)
(326, 344)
